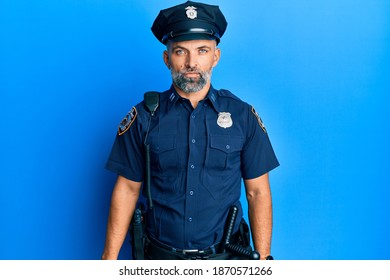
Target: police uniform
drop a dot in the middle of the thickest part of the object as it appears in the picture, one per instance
(197, 156)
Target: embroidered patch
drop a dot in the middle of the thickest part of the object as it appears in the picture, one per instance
(127, 121)
(224, 120)
(259, 120)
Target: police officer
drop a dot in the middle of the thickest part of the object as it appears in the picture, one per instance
(202, 141)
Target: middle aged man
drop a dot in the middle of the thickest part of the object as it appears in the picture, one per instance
(202, 142)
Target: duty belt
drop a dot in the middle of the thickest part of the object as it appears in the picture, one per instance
(187, 253)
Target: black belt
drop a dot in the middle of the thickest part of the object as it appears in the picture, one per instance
(167, 252)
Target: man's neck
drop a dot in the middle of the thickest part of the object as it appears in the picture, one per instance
(194, 97)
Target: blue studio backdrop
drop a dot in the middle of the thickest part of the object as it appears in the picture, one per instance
(316, 71)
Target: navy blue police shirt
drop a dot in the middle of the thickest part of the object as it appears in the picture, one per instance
(198, 158)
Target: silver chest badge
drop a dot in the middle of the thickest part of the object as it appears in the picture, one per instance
(224, 120)
(191, 12)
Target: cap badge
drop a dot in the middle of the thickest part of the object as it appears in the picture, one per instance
(224, 120)
(191, 12)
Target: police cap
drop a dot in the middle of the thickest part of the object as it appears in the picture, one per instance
(189, 21)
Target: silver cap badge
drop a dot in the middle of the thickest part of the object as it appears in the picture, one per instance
(191, 12)
(224, 120)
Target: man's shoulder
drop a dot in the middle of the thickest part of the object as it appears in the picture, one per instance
(229, 97)
(225, 93)
(163, 96)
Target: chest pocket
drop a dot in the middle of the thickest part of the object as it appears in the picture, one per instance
(164, 157)
(223, 155)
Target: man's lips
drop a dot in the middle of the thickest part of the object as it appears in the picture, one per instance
(191, 74)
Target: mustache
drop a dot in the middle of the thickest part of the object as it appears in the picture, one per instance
(192, 70)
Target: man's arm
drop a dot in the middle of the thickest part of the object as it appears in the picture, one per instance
(123, 202)
(258, 194)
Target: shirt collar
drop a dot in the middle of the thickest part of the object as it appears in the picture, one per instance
(212, 97)
(173, 96)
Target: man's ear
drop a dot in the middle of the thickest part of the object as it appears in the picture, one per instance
(217, 56)
(166, 59)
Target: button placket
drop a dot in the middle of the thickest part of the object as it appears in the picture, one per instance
(190, 201)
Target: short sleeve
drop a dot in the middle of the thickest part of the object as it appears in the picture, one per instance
(258, 156)
(127, 154)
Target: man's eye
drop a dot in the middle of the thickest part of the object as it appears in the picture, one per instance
(202, 51)
(180, 52)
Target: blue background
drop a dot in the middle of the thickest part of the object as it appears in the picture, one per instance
(316, 71)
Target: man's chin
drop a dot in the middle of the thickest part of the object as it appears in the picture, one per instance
(190, 88)
(192, 80)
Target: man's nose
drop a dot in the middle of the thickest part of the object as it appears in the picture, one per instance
(191, 60)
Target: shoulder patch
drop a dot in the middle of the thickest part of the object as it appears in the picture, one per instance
(127, 121)
(259, 120)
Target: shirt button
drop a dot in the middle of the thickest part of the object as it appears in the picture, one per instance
(193, 116)
(227, 147)
(191, 192)
(192, 166)
(193, 140)
(190, 219)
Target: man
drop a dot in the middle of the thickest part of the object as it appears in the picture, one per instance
(202, 142)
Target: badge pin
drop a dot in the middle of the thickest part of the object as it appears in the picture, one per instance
(127, 121)
(224, 120)
(191, 12)
(172, 97)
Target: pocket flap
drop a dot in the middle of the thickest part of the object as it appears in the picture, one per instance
(163, 144)
(226, 143)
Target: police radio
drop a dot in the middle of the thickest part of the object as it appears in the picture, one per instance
(151, 100)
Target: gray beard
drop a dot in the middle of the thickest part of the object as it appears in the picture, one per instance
(190, 85)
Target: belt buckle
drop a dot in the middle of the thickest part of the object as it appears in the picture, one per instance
(191, 251)
(195, 254)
